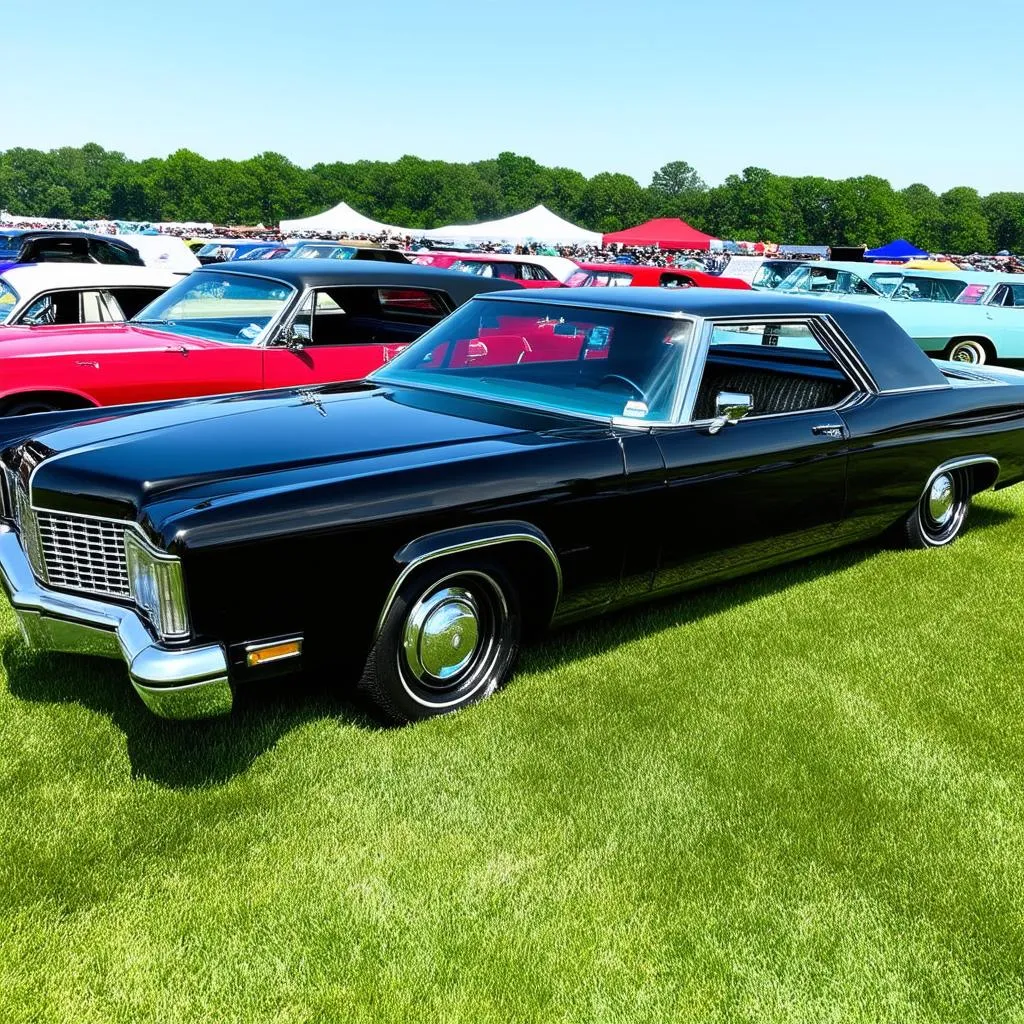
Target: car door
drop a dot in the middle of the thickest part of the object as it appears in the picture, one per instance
(344, 333)
(770, 486)
(138, 364)
(1004, 316)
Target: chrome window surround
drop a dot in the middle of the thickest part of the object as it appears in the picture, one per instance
(471, 545)
(825, 331)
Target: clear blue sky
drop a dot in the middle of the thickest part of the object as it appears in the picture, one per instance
(912, 90)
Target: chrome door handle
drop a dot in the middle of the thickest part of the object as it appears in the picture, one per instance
(829, 430)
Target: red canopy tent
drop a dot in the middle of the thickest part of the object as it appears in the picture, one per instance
(665, 233)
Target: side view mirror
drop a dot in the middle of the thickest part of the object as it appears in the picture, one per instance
(730, 407)
(291, 338)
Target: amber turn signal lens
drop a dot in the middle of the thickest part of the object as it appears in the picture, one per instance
(274, 652)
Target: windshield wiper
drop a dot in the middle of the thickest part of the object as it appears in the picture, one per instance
(169, 322)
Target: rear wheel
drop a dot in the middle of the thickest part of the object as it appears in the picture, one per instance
(41, 401)
(939, 517)
(26, 406)
(449, 639)
(967, 350)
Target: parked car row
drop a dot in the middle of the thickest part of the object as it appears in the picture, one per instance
(227, 327)
(533, 458)
(966, 316)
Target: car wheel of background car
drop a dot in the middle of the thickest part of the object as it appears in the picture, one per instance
(449, 639)
(26, 406)
(23, 405)
(939, 517)
(967, 350)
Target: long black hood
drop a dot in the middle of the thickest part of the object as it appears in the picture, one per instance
(185, 455)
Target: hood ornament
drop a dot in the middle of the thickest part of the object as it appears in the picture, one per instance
(310, 397)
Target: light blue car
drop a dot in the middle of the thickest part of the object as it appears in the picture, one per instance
(967, 316)
(984, 325)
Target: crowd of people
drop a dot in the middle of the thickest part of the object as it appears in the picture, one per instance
(714, 262)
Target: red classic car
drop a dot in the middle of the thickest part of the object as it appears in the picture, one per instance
(625, 275)
(526, 270)
(234, 327)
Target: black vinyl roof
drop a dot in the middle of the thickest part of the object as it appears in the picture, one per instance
(372, 273)
(29, 234)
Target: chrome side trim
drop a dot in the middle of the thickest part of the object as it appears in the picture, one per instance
(961, 463)
(925, 387)
(460, 547)
(175, 682)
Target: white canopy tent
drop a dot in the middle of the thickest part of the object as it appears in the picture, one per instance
(536, 225)
(339, 220)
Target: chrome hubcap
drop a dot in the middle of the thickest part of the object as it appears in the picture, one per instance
(941, 497)
(442, 635)
(965, 354)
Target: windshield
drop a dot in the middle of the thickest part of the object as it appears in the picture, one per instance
(476, 267)
(886, 284)
(234, 308)
(599, 279)
(8, 298)
(595, 363)
(10, 243)
(771, 275)
(218, 249)
(259, 253)
(325, 251)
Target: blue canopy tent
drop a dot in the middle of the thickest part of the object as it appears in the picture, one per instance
(901, 249)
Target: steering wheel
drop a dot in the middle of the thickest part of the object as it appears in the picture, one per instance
(625, 380)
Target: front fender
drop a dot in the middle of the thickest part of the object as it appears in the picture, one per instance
(472, 537)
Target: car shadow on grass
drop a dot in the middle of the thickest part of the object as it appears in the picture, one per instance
(597, 635)
(176, 754)
(184, 755)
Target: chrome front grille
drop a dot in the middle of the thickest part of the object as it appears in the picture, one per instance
(83, 554)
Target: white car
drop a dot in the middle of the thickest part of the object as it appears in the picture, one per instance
(33, 294)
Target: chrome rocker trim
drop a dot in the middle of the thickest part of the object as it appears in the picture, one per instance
(185, 682)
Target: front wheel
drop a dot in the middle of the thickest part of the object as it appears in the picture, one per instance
(939, 517)
(967, 350)
(449, 639)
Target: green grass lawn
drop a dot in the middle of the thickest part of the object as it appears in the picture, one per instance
(793, 798)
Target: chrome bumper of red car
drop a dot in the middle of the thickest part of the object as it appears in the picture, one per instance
(174, 682)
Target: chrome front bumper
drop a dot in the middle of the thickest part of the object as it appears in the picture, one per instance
(174, 682)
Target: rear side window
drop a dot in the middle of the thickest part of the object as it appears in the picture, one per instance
(134, 300)
(366, 316)
(114, 255)
(56, 250)
(782, 367)
(531, 272)
(675, 281)
(418, 301)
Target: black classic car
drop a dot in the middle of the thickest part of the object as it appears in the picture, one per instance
(534, 458)
(48, 246)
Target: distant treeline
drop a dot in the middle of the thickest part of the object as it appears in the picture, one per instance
(756, 205)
